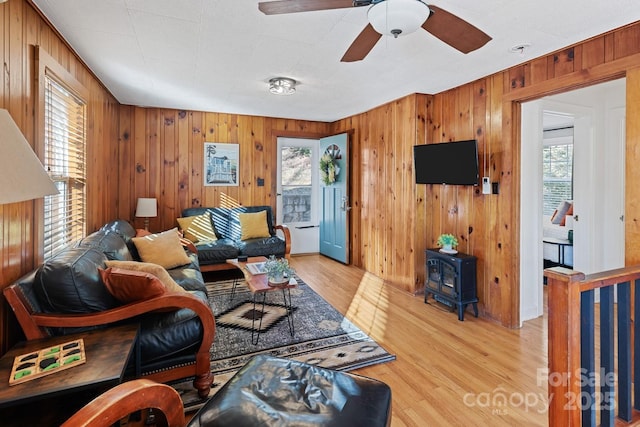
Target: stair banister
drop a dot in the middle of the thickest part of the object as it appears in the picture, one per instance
(563, 343)
(570, 314)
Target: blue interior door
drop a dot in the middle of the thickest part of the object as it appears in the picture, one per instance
(334, 184)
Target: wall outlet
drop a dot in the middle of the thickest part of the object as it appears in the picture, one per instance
(495, 187)
(486, 185)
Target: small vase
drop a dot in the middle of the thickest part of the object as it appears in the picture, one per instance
(448, 249)
(276, 277)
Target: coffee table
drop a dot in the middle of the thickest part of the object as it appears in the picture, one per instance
(107, 352)
(259, 285)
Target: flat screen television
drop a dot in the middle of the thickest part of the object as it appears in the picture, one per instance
(454, 163)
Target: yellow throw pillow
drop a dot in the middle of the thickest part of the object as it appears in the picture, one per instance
(147, 267)
(184, 223)
(198, 228)
(254, 225)
(163, 249)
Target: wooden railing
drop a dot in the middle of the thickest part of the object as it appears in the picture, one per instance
(581, 393)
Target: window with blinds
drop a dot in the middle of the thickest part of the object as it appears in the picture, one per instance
(64, 159)
(557, 173)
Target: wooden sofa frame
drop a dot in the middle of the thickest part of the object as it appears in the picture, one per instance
(34, 326)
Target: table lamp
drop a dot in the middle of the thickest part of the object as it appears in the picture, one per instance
(147, 208)
(22, 176)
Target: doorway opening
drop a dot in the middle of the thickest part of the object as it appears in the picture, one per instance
(298, 201)
(598, 116)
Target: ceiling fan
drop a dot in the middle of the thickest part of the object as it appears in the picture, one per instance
(392, 17)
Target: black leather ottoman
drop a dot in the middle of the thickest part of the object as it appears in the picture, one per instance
(270, 391)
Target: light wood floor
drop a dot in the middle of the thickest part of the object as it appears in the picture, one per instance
(447, 372)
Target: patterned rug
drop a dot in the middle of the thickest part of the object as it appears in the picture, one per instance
(322, 336)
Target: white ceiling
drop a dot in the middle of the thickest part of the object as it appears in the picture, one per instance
(217, 55)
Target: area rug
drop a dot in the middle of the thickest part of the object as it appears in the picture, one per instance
(322, 336)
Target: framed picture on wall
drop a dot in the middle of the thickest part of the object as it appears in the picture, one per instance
(221, 164)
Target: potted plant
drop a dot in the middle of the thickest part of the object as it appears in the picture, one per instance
(278, 269)
(448, 242)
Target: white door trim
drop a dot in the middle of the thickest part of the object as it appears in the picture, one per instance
(599, 188)
(304, 235)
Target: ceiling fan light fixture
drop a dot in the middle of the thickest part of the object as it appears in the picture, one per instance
(282, 86)
(397, 17)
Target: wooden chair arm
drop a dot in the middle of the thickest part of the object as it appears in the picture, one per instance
(126, 398)
(287, 239)
(188, 244)
(203, 378)
(175, 300)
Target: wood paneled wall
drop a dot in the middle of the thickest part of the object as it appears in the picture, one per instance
(483, 223)
(162, 156)
(395, 220)
(22, 28)
(388, 225)
(390, 235)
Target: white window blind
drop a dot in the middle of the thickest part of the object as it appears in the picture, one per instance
(64, 143)
(557, 168)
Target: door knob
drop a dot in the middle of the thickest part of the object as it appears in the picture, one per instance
(575, 217)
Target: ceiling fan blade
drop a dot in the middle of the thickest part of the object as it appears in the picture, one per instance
(294, 6)
(454, 31)
(362, 45)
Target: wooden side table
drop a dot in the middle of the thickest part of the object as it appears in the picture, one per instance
(107, 351)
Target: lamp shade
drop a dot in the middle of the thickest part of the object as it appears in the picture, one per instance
(22, 176)
(147, 208)
(398, 17)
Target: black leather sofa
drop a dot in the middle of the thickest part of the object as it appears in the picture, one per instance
(176, 331)
(229, 245)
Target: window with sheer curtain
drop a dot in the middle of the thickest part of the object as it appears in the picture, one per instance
(65, 161)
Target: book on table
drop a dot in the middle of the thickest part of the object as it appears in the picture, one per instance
(256, 268)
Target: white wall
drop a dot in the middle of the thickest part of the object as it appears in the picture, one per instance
(531, 298)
